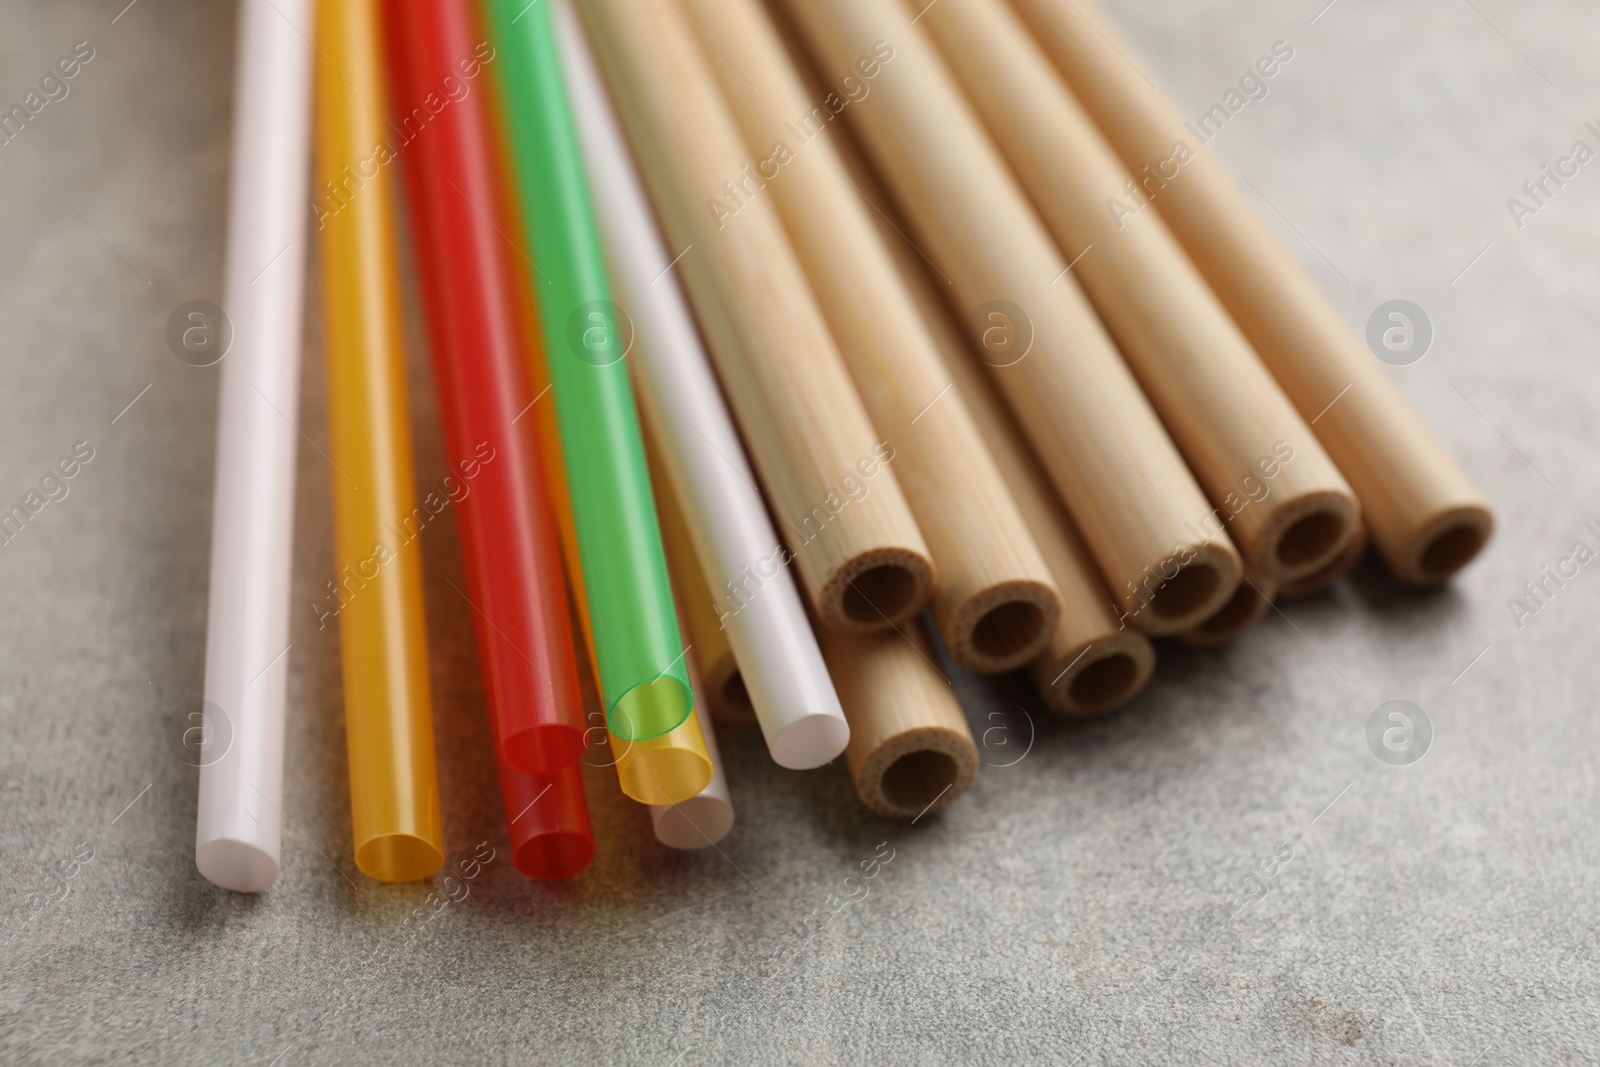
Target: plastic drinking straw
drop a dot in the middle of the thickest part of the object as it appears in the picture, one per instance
(239, 827)
(643, 680)
(705, 818)
(548, 821)
(394, 786)
(703, 456)
(508, 537)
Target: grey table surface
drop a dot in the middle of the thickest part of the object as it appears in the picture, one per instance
(1440, 912)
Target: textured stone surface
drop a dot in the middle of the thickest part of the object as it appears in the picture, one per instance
(1440, 912)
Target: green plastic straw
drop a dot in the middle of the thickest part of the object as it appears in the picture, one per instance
(643, 677)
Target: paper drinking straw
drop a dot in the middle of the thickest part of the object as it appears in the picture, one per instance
(996, 605)
(1280, 497)
(547, 818)
(508, 538)
(676, 765)
(394, 787)
(910, 753)
(762, 619)
(640, 652)
(705, 818)
(1427, 518)
(239, 828)
(827, 472)
(1129, 491)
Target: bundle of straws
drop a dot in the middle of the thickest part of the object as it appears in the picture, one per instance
(766, 324)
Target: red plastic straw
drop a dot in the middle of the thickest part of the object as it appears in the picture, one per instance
(549, 822)
(480, 367)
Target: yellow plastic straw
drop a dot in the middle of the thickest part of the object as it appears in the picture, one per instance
(377, 592)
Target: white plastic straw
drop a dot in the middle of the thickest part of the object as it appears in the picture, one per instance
(247, 643)
(772, 641)
(705, 818)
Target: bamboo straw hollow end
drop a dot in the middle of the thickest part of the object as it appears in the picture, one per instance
(1330, 575)
(1003, 627)
(916, 772)
(545, 749)
(1443, 546)
(398, 857)
(877, 589)
(1305, 534)
(698, 822)
(553, 856)
(1248, 606)
(809, 742)
(1162, 606)
(1094, 681)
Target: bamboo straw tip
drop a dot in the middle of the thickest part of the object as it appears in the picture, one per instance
(399, 857)
(1205, 575)
(553, 856)
(917, 772)
(1306, 533)
(1330, 575)
(1248, 606)
(1107, 675)
(1003, 627)
(1442, 546)
(877, 589)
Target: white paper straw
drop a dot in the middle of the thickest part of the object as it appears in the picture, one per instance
(247, 643)
(705, 818)
(789, 687)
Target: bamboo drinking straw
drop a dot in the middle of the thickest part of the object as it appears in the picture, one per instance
(996, 606)
(860, 554)
(1223, 408)
(547, 819)
(640, 652)
(722, 685)
(1094, 661)
(394, 786)
(910, 750)
(1247, 607)
(1426, 517)
(683, 410)
(508, 537)
(1333, 573)
(1133, 499)
(239, 828)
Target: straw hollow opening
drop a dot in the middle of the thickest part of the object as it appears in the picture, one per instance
(1185, 591)
(877, 593)
(1451, 550)
(917, 779)
(1312, 538)
(1008, 630)
(1235, 613)
(398, 858)
(1105, 682)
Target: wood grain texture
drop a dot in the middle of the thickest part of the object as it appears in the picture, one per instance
(826, 471)
(910, 752)
(997, 605)
(1223, 408)
(1426, 517)
(1129, 491)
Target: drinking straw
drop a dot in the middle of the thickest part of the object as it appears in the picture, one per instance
(508, 537)
(639, 651)
(1280, 497)
(911, 753)
(826, 470)
(1426, 517)
(1129, 492)
(1248, 606)
(547, 818)
(394, 787)
(761, 616)
(996, 605)
(1095, 661)
(239, 826)
(705, 818)
(1330, 575)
